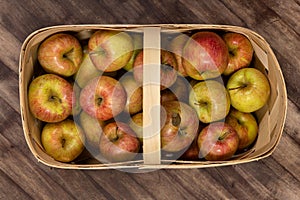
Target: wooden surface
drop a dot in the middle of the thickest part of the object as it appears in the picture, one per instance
(275, 177)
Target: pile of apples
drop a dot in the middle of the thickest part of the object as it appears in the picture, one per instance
(89, 94)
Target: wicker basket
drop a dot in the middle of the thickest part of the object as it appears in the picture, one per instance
(271, 117)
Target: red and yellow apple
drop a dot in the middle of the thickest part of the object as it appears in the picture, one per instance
(50, 98)
(64, 141)
(240, 52)
(218, 141)
(60, 54)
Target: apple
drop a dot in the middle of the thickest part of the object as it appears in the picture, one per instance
(178, 91)
(134, 93)
(218, 141)
(118, 142)
(64, 141)
(76, 108)
(60, 54)
(50, 98)
(86, 71)
(249, 89)
(92, 127)
(137, 47)
(110, 50)
(245, 125)
(103, 98)
(176, 47)
(136, 124)
(168, 73)
(180, 127)
(192, 153)
(205, 55)
(240, 52)
(211, 101)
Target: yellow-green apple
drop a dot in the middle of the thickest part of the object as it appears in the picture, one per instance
(168, 72)
(110, 50)
(118, 142)
(86, 71)
(60, 54)
(178, 91)
(50, 98)
(134, 91)
(92, 127)
(211, 101)
(249, 89)
(176, 47)
(240, 52)
(180, 127)
(137, 47)
(64, 141)
(205, 55)
(245, 125)
(218, 141)
(136, 124)
(76, 109)
(103, 98)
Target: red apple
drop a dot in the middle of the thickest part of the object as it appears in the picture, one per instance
(168, 73)
(137, 39)
(245, 125)
(205, 55)
(64, 141)
(118, 142)
(176, 47)
(60, 54)
(110, 50)
(218, 141)
(134, 92)
(240, 52)
(180, 127)
(50, 98)
(103, 98)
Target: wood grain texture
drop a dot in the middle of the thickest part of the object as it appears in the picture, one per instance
(275, 177)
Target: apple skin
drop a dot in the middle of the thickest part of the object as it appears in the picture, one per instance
(137, 48)
(103, 98)
(249, 89)
(110, 50)
(168, 73)
(176, 47)
(192, 153)
(134, 93)
(60, 54)
(64, 141)
(240, 52)
(118, 142)
(76, 108)
(86, 71)
(218, 141)
(245, 125)
(50, 98)
(178, 91)
(211, 101)
(205, 55)
(180, 127)
(136, 124)
(92, 127)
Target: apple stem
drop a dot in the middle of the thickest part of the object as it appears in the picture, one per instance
(176, 119)
(54, 98)
(239, 87)
(99, 101)
(63, 142)
(114, 137)
(221, 137)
